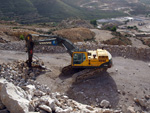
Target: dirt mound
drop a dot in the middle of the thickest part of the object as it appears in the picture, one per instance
(18, 33)
(118, 39)
(72, 23)
(14, 33)
(76, 34)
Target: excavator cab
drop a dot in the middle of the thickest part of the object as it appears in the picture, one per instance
(78, 58)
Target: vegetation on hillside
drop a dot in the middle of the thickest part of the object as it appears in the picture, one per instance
(35, 11)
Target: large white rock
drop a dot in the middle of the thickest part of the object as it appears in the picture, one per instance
(14, 98)
(104, 103)
(39, 93)
(30, 90)
(107, 111)
(131, 109)
(45, 108)
(60, 110)
(49, 101)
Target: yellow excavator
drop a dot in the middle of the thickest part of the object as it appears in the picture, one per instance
(99, 59)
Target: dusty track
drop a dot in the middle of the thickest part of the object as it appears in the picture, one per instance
(126, 80)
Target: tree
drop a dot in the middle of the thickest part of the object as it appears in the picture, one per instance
(93, 22)
(114, 28)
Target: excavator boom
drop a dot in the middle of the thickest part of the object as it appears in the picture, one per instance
(53, 40)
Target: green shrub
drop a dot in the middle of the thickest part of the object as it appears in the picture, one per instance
(22, 37)
(114, 28)
(15, 28)
(132, 27)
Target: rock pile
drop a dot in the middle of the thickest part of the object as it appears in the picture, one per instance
(20, 46)
(20, 93)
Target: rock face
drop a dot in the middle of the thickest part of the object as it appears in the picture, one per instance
(13, 97)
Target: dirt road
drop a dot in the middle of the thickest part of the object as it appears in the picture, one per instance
(126, 80)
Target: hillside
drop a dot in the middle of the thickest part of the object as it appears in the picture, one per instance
(125, 6)
(33, 11)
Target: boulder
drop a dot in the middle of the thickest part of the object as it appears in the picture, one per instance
(51, 103)
(30, 89)
(60, 110)
(39, 93)
(14, 98)
(89, 108)
(45, 108)
(130, 109)
(105, 103)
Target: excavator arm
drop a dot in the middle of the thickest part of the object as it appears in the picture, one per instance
(52, 40)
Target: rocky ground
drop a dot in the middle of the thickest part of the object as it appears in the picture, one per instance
(20, 92)
(124, 88)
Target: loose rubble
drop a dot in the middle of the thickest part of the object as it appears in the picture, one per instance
(20, 93)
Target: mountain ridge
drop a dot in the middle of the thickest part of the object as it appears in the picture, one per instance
(34, 11)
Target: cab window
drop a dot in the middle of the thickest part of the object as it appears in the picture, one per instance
(79, 58)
